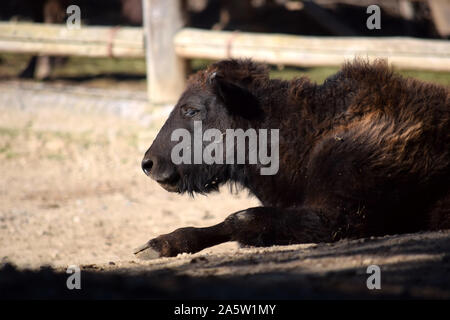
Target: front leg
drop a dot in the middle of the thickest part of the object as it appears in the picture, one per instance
(181, 240)
(260, 226)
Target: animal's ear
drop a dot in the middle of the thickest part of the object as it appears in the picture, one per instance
(237, 99)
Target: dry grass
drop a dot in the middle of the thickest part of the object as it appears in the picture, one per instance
(130, 73)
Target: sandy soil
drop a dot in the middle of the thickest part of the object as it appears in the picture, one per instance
(72, 193)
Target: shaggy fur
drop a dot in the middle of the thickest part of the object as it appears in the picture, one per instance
(366, 153)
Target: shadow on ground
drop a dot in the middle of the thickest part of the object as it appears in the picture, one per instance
(413, 266)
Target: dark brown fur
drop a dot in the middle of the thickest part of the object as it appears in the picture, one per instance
(366, 153)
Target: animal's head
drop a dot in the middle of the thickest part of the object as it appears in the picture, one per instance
(220, 98)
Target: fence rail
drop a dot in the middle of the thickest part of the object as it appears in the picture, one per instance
(197, 43)
(408, 53)
(53, 39)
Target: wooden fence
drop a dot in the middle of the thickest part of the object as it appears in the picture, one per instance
(54, 39)
(167, 46)
(312, 51)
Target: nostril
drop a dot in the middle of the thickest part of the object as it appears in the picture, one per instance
(147, 165)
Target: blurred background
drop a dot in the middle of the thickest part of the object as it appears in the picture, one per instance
(426, 19)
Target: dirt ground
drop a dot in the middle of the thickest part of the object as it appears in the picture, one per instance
(72, 193)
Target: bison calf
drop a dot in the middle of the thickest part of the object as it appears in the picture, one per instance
(366, 153)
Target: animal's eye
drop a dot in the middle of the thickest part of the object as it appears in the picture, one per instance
(189, 111)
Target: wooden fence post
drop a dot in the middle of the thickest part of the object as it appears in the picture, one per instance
(166, 72)
(440, 10)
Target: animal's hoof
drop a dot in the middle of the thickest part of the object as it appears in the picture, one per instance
(169, 245)
(146, 252)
